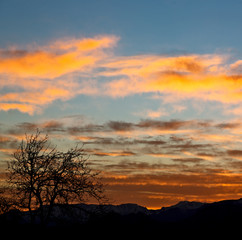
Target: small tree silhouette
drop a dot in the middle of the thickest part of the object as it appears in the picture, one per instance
(40, 175)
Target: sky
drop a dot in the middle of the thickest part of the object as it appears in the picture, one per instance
(152, 88)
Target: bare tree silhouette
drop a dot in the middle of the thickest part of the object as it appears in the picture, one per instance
(40, 176)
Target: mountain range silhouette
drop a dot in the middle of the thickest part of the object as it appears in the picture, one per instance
(223, 217)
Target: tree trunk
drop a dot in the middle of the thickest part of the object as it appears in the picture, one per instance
(32, 217)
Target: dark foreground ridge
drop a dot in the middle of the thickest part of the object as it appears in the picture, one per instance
(219, 218)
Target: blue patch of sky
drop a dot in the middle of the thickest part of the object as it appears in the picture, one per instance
(200, 26)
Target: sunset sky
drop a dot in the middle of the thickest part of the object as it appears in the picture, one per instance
(153, 88)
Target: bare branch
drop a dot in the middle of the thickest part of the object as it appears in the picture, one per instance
(40, 175)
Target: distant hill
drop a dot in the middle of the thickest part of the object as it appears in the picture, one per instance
(182, 218)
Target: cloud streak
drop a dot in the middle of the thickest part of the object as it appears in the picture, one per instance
(160, 162)
(204, 77)
(42, 74)
(57, 58)
(35, 77)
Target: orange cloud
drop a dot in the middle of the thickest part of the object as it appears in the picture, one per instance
(65, 68)
(86, 44)
(45, 65)
(197, 76)
(45, 97)
(25, 108)
(59, 58)
(237, 66)
(112, 154)
(34, 77)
